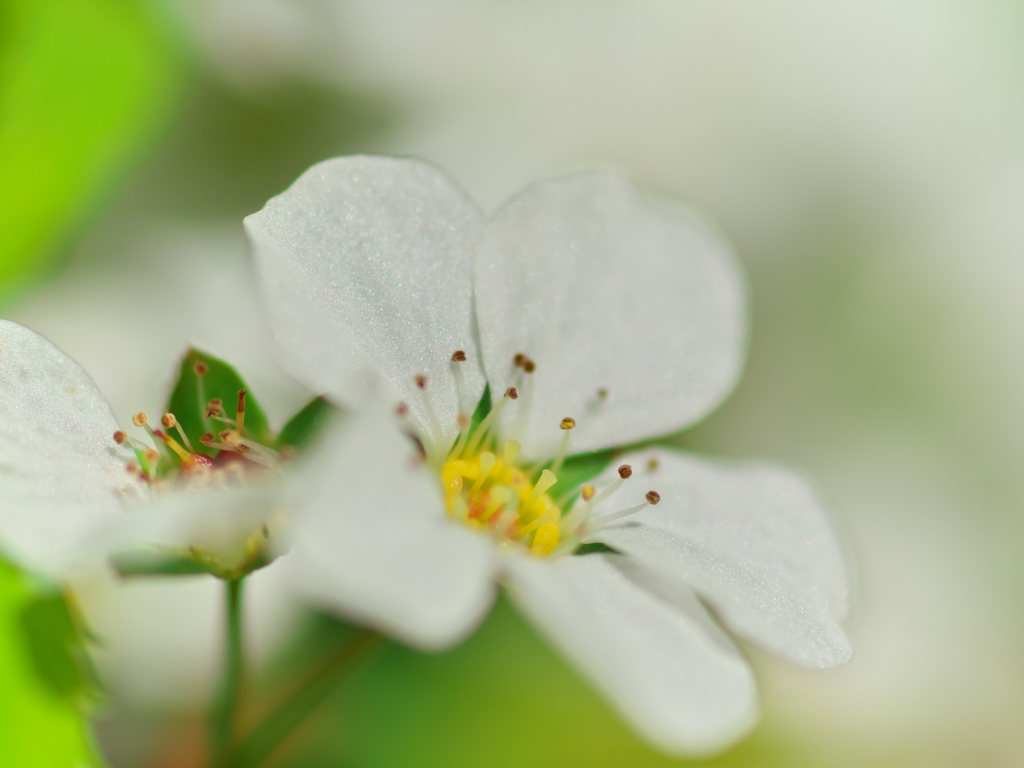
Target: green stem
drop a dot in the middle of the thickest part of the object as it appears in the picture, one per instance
(307, 695)
(225, 712)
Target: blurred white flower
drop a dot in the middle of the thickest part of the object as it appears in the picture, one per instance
(589, 310)
(74, 489)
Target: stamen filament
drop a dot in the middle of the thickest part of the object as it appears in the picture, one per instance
(240, 413)
(550, 516)
(510, 394)
(500, 496)
(512, 449)
(201, 369)
(487, 462)
(174, 446)
(460, 380)
(169, 420)
(464, 424)
(566, 426)
(624, 472)
(435, 424)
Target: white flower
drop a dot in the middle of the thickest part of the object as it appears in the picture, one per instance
(73, 489)
(587, 303)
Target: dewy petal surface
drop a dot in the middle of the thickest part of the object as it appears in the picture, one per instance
(62, 476)
(365, 266)
(753, 539)
(376, 546)
(683, 688)
(608, 294)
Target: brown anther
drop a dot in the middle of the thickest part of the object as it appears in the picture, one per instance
(200, 368)
(652, 497)
(459, 356)
(652, 465)
(587, 492)
(120, 436)
(168, 420)
(402, 409)
(228, 436)
(568, 423)
(140, 419)
(421, 380)
(519, 359)
(241, 402)
(602, 393)
(511, 393)
(463, 421)
(625, 471)
(529, 366)
(214, 407)
(242, 448)
(207, 439)
(151, 456)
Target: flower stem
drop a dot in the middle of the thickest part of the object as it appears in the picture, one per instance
(304, 699)
(225, 711)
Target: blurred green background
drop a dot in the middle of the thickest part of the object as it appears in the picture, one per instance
(867, 162)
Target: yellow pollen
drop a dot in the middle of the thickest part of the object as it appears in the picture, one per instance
(545, 540)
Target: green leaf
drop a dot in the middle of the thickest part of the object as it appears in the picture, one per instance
(56, 642)
(306, 424)
(579, 469)
(191, 394)
(38, 725)
(83, 87)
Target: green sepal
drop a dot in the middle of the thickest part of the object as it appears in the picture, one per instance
(482, 409)
(595, 547)
(188, 404)
(306, 424)
(56, 642)
(156, 561)
(144, 562)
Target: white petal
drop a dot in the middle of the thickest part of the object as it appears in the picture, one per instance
(607, 293)
(376, 546)
(685, 689)
(753, 539)
(62, 476)
(218, 521)
(365, 264)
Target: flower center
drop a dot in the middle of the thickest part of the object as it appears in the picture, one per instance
(486, 487)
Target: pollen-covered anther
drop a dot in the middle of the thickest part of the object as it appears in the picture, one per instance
(120, 436)
(519, 359)
(200, 368)
(529, 366)
(604, 521)
(587, 492)
(214, 408)
(140, 419)
(481, 430)
(207, 439)
(563, 449)
(459, 356)
(240, 412)
(625, 471)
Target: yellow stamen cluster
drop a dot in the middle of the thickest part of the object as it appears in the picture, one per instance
(485, 491)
